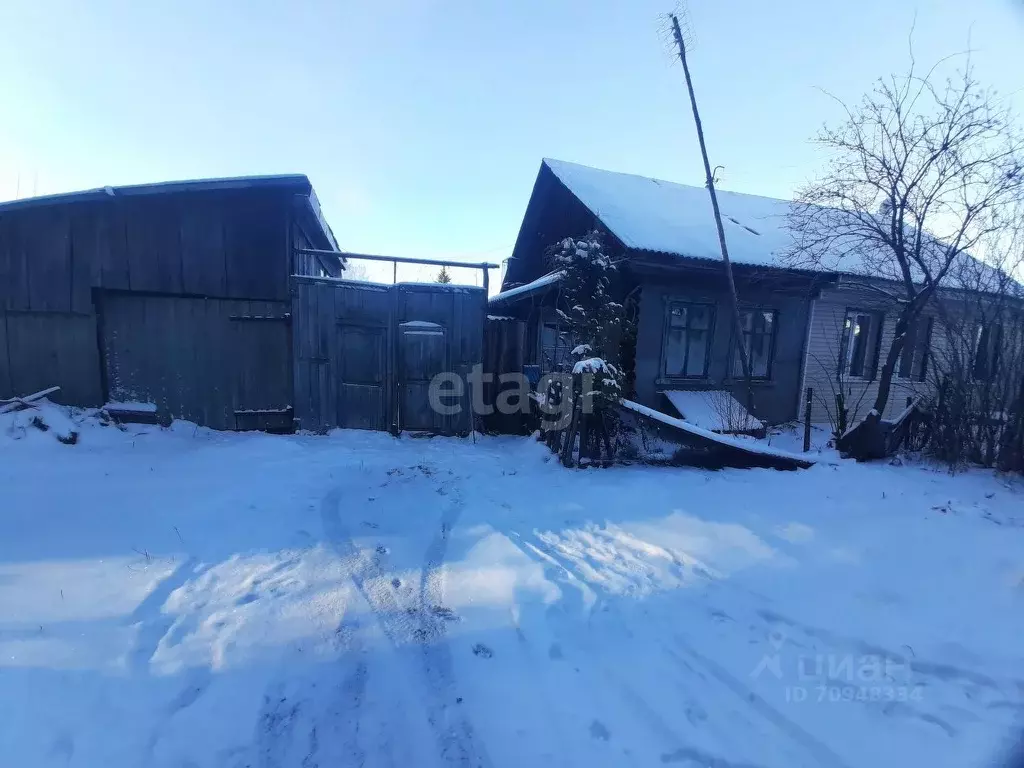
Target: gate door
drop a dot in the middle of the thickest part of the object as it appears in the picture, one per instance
(421, 356)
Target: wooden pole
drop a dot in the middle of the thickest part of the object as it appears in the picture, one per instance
(677, 33)
(807, 420)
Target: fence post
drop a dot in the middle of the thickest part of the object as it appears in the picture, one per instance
(807, 420)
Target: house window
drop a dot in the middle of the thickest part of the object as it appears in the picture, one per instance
(554, 348)
(987, 339)
(688, 339)
(757, 330)
(914, 357)
(858, 347)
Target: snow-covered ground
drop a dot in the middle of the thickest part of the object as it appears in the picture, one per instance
(189, 598)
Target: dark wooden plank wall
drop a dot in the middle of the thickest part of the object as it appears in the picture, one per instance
(335, 325)
(305, 263)
(39, 350)
(55, 258)
(220, 244)
(461, 311)
(345, 358)
(223, 363)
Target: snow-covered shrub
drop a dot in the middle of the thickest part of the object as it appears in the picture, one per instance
(595, 320)
(596, 324)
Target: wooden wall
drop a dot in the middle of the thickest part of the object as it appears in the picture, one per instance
(824, 334)
(776, 399)
(223, 244)
(222, 363)
(59, 260)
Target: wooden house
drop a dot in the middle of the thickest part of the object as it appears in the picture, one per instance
(802, 328)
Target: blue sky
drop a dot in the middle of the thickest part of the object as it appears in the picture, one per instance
(422, 123)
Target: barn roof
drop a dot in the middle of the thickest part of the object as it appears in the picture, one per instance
(297, 182)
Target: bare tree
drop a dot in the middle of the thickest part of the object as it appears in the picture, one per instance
(921, 172)
(978, 368)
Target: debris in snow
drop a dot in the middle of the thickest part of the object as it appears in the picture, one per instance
(43, 416)
(749, 446)
(17, 403)
(134, 407)
(482, 651)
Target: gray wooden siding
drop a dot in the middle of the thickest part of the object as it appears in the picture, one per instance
(822, 364)
(308, 264)
(776, 399)
(44, 349)
(350, 370)
(218, 362)
(219, 245)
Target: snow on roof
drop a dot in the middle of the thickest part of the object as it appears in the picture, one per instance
(715, 410)
(752, 446)
(664, 217)
(297, 180)
(531, 287)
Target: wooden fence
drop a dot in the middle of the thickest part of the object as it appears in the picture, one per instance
(365, 354)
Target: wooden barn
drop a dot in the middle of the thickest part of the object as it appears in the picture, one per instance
(180, 296)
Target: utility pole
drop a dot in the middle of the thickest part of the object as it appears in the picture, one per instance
(737, 329)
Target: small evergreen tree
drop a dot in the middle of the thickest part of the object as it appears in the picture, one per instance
(443, 276)
(596, 325)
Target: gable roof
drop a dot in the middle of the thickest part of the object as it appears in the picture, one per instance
(664, 217)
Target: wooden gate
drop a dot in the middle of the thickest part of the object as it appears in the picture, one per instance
(365, 354)
(222, 363)
(422, 349)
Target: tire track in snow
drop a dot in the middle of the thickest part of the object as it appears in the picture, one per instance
(275, 727)
(424, 623)
(822, 754)
(457, 740)
(152, 622)
(562, 569)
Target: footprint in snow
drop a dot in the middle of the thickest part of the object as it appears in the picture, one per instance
(482, 651)
(599, 730)
(555, 651)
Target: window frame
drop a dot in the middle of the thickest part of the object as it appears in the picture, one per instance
(559, 352)
(874, 340)
(735, 366)
(991, 334)
(918, 367)
(712, 308)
